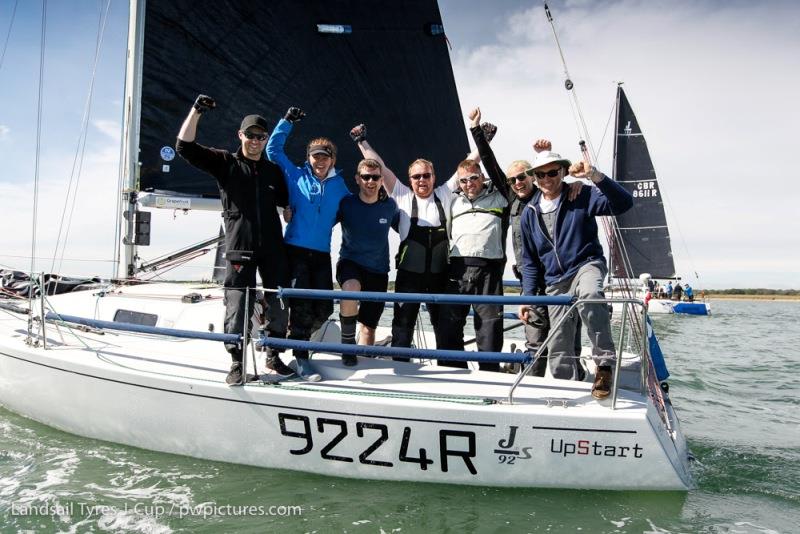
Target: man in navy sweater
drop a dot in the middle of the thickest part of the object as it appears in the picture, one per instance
(559, 235)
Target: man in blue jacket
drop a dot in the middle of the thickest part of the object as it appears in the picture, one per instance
(315, 190)
(560, 236)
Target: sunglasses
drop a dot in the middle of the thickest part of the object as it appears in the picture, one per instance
(424, 175)
(469, 178)
(368, 177)
(251, 135)
(552, 173)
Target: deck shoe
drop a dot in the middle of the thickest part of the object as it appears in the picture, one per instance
(306, 370)
(234, 377)
(349, 360)
(274, 363)
(602, 382)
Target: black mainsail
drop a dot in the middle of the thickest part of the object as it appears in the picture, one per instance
(383, 63)
(642, 242)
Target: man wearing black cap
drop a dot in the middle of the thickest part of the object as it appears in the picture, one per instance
(251, 188)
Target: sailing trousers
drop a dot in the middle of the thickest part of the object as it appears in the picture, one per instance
(405, 313)
(587, 283)
(308, 269)
(239, 276)
(488, 318)
(536, 334)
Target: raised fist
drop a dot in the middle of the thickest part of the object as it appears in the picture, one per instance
(474, 116)
(489, 130)
(359, 133)
(584, 169)
(294, 114)
(204, 103)
(542, 145)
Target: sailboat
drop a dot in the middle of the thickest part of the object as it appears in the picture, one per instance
(641, 250)
(142, 364)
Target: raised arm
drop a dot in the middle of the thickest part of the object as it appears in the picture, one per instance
(609, 198)
(188, 131)
(489, 130)
(359, 135)
(496, 174)
(207, 159)
(277, 141)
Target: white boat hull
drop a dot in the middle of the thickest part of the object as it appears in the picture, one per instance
(381, 420)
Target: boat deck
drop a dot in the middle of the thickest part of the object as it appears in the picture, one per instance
(110, 353)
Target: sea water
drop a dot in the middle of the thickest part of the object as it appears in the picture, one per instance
(734, 384)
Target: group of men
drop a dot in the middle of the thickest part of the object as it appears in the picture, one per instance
(667, 291)
(452, 240)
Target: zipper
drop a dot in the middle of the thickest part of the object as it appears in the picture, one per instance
(552, 242)
(258, 205)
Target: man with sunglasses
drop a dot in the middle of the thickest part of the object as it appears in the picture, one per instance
(478, 229)
(421, 259)
(560, 242)
(537, 323)
(363, 263)
(251, 189)
(316, 188)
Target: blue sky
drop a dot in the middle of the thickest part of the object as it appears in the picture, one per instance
(713, 85)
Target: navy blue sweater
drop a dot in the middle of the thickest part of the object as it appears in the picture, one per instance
(575, 241)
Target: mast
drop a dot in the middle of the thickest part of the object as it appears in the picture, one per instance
(130, 138)
(613, 236)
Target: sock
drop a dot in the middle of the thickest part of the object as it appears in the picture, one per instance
(348, 329)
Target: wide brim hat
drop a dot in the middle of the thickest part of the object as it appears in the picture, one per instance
(547, 157)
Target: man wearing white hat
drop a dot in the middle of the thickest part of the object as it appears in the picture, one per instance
(560, 236)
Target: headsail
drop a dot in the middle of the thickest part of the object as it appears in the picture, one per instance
(384, 63)
(642, 235)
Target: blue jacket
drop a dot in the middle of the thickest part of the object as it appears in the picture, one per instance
(314, 202)
(575, 241)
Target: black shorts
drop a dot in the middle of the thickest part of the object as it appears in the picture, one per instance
(369, 313)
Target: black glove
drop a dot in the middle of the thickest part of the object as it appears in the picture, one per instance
(204, 103)
(294, 114)
(489, 130)
(359, 133)
(516, 271)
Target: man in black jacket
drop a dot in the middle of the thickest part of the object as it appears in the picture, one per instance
(251, 188)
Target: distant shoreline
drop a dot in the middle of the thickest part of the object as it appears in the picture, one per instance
(786, 298)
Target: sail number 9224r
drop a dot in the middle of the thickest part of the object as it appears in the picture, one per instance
(371, 437)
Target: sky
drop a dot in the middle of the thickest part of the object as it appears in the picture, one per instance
(713, 86)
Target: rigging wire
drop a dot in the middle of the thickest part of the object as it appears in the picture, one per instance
(572, 93)
(8, 34)
(587, 149)
(80, 150)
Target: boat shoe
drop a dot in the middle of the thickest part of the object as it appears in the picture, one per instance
(234, 377)
(602, 382)
(274, 363)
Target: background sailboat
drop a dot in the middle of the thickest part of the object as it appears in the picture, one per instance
(641, 248)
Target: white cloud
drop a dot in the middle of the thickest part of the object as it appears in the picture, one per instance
(708, 99)
(4, 131)
(111, 129)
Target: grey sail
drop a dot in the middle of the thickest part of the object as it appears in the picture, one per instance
(642, 243)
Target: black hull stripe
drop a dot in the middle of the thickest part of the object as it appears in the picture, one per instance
(585, 429)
